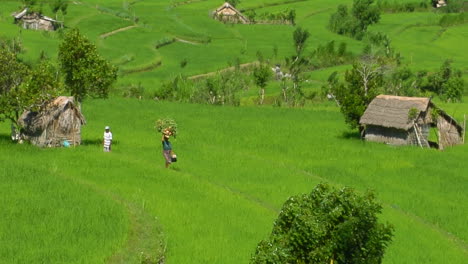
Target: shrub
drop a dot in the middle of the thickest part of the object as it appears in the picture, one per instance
(324, 226)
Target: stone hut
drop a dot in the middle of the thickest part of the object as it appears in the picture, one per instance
(228, 13)
(399, 120)
(57, 122)
(33, 20)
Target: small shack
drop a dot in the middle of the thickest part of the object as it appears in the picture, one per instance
(440, 3)
(399, 120)
(59, 121)
(228, 13)
(34, 20)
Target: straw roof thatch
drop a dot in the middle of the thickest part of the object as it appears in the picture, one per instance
(60, 120)
(392, 111)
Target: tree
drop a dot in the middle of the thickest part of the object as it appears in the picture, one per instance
(13, 75)
(24, 89)
(362, 83)
(86, 73)
(297, 65)
(59, 5)
(447, 83)
(365, 13)
(234, 3)
(354, 24)
(327, 226)
(261, 75)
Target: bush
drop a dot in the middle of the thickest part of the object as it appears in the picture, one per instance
(324, 226)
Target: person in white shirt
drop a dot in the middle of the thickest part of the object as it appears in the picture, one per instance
(107, 139)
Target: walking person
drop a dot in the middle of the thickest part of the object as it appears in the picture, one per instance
(167, 147)
(107, 141)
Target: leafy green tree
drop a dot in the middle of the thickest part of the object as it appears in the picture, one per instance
(327, 226)
(447, 83)
(354, 24)
(59, 5)
(13, 75)
(86, 72)
(234, 3)
(24, 89)
(261, 75)
(366, 13)
(362, 85)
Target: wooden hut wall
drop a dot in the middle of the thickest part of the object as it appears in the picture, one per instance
(448, 133)
(424, 137)
(386, 135)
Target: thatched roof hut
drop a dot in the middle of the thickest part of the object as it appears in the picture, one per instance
(59, 121)
(402, 120)
(35, 21)
(228, 13)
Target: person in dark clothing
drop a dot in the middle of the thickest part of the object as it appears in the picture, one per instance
(167, 147)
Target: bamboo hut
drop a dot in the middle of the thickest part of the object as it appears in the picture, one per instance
(228, 13)
(57, 122)
(399, 120)
(34, 20)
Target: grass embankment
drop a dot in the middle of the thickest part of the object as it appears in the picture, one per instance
(238, 165)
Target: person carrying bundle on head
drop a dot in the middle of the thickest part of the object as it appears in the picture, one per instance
(167, 146)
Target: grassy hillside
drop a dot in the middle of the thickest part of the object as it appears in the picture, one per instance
(236, 167)
(208, 45)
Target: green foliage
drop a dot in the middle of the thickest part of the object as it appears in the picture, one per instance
(327, 225)
(413, 113)
(261, 75)
(59, 5)
(218, 89)
(354, 23)
(390, 6)
(283, 17)
(166, 124)
(234, 3)
(14, 73)
(86, 72)
(362, 85)
(328, 55)
(447, 83)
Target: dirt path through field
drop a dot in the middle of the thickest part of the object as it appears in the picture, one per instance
(105, 35)
(194, 77)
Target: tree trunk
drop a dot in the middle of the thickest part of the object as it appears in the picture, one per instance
(262, 95)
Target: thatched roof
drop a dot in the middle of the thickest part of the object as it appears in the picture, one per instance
(392, 111)
(33, 122)
(228, 10)
(20, 14)
(24, 14)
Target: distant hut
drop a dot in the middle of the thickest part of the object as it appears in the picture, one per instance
(399, 120)
(440, 3)
(59, 121)
(34, 20)
(228, 13)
